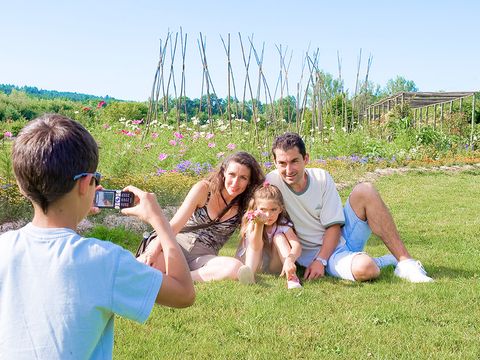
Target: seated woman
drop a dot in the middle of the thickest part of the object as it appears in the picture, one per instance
(209, 215)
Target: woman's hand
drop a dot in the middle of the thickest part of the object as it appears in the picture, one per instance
(152, 253)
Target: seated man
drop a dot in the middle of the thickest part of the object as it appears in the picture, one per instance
(333, 237)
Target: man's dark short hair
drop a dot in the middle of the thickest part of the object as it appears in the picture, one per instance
(288, 141)
(48, 153)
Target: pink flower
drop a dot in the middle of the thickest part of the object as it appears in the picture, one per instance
(106, 126)
(172, 142)
(195, 135)
(128, 133)
(160, 171)
(7, 134)
(178, 135)
(162, 156)
(209, 136)
(220, 154)
(136, 122)
(101, 104)
(211, 145)
(256, 216)
(154, 135)
(231, 146)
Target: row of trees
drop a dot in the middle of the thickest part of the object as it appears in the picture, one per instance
(28, 102)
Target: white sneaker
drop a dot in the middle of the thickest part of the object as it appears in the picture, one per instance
(245, 275)
(385, 260)
(412, 270)
(294, 283)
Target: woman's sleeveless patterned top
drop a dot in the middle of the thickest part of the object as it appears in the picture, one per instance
(213, 236)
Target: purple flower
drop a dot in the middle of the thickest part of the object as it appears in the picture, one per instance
(162, 156)
(231, 146)
(209, 136)
(183, 165)
(211, 145)
(267, 164)
(161, 171)
(154, 135)
(265, 153)
(178, 135)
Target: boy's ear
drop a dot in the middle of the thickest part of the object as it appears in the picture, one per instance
(83, 184)
(307, 158)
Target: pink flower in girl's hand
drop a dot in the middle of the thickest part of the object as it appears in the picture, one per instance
(257, 216)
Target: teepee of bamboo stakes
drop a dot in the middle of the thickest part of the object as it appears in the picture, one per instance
(230, 83)
(158, 83)
(171, 77)
(246, 64)
(262, 80)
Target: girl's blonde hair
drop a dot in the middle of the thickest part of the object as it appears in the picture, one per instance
(265, 191)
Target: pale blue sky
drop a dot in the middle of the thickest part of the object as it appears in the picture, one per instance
(111, 47)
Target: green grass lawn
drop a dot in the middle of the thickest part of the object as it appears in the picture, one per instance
(438, 218)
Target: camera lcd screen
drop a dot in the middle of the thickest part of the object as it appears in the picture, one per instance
(105, 198)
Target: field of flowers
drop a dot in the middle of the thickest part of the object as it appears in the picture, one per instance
(168, 159)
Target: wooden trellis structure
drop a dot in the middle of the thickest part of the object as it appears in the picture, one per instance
(425, 106)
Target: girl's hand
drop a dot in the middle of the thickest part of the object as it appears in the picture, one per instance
(289, 268)
(257, 216)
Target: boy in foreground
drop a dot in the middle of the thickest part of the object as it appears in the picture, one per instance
(59, 291)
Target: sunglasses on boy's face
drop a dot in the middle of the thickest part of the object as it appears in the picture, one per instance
(96, 176)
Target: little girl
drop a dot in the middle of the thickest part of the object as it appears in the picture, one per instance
(268, 240)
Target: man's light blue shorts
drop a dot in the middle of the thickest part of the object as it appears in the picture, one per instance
(356, 233)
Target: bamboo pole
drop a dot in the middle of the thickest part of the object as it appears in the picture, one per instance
(473, 121)
(247, 82)
(183, 91)
(229, 70)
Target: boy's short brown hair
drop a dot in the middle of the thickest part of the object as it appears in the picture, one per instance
(48, 153)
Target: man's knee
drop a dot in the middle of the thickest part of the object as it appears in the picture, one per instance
(363, 192)
(364, 268)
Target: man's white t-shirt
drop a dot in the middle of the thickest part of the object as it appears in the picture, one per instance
(59, 293)
(314, 209)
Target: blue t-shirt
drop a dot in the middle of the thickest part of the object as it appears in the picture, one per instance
(59, 293)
